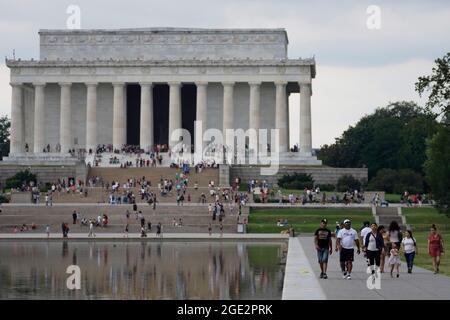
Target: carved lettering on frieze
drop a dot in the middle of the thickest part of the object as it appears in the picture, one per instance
(39, 71)
(194, 39)
(281, 70)
(100, 39)
(228, 70)
(82, 39)
(202, 70)
(92, 70)
(178, 39)
(146, 70)
(243, 38)
(65, 70)
(118, 70)
(15, 71)
(174, 70)
(147, 38)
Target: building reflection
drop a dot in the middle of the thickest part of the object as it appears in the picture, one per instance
(144, 270)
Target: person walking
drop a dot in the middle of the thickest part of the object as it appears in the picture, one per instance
(346, 240)
(435, 247)
(410, 249)
(374, 247)
(366, 229)
(394, 260)
(324, 247)
(221, 229)
(47, 230)
(210, 229)
(385, 235)
(91, 229)
(395, 235)
(158, 229)
(74, 217)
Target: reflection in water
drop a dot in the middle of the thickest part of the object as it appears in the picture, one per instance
(143, 270)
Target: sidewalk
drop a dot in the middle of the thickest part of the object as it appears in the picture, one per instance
(421, 284)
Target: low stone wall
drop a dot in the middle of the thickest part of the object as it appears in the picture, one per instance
(320, 174)
(45, 173)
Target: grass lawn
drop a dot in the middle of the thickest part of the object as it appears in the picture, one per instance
(304, 220)
(392, 198)
(421, 219)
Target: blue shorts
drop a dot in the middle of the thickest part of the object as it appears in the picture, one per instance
(322, 255)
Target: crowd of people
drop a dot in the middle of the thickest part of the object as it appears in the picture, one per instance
(377, 244)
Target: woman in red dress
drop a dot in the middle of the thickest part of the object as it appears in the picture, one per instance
(435, 247)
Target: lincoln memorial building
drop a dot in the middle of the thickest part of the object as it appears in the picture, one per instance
(135, 86)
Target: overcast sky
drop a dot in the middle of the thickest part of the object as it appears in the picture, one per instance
(358, 69)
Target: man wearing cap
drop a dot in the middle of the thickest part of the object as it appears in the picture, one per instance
(324, 246)
(346, 240)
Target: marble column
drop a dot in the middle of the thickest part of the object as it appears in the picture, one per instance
(281, 115)
(39, 117)
(254, 113)
(119, 116)
(146, 122)
(91, 117)
(17, 120)
(202, 89)
(305, 118)
(65, 139)
(174, 111)
(228, 106)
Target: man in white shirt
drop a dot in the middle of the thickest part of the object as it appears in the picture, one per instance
(346, 240)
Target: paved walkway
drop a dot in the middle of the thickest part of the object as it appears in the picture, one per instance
(300, 282)
(421, 284)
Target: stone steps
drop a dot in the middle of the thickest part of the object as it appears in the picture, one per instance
(194, 218)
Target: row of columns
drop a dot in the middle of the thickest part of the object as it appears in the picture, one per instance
(146, 120)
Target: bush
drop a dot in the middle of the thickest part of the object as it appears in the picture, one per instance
(3, 198)
(256, 199)
(348, 183)
(298, 181)
(327, 187)
(20, 178)
(397, 181)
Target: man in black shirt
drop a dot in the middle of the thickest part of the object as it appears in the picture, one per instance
(324, 247)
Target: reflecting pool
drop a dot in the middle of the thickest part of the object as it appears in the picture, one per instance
(143, 269)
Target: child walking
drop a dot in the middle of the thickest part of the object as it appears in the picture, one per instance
(394, 260)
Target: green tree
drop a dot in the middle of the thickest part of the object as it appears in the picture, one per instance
(391, 137)
(437, 168)
(5, 124)
(438, 86)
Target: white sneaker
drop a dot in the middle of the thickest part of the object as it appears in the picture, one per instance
(344, 275)
(349, 277)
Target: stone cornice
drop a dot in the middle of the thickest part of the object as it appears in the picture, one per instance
(161, 63)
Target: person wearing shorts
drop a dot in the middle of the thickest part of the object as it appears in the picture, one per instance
(346, 240)
(324, 247)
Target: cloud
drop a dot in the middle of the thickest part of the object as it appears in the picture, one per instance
(342, 95)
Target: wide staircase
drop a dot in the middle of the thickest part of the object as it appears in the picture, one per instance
(385, 215)
(195, 218)
(151, 174)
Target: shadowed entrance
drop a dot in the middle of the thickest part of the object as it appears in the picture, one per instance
(133, 113)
